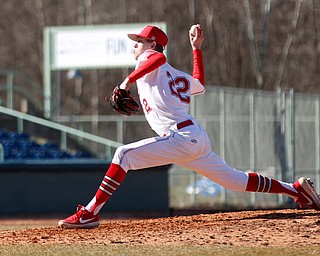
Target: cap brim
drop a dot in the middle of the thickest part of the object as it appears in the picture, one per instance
(135, 37)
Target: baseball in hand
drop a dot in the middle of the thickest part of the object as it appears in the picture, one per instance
(193, 30)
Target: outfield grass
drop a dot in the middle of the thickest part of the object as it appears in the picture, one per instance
(118, 250)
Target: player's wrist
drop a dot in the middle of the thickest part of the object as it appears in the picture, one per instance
(194, 48)
(125, 85)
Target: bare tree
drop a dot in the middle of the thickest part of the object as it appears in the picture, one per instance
(255, 58)
(252, 44)
(288, 43)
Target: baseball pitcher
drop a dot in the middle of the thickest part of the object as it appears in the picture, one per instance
(164, 94)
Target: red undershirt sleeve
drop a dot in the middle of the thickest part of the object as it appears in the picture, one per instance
(198, 68)
(153, 62)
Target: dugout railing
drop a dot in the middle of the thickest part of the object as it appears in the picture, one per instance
(65, 131)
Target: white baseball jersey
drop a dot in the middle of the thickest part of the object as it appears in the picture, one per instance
(165, 95)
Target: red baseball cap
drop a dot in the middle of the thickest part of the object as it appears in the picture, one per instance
(152, 33)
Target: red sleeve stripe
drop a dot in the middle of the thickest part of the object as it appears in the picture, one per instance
(154, 61)
(198, 68)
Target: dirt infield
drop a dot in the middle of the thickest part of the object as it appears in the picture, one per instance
(246, 228)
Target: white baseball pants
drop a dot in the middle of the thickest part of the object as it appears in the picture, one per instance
(189, 147)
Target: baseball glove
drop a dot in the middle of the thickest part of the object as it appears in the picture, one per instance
(123, 103)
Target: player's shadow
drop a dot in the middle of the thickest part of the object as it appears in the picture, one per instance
(296, 215)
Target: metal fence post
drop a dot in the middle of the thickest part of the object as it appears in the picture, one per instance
(222, 136)
(317, 141)
(280, 122)
(108, 152)
(120, 131)
(292, 136)
(10, 90)
(1, 153)
(20, 124)
(252, 130)
(64, 140)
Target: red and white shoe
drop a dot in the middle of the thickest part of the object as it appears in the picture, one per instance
(307, 196)
(81, 219)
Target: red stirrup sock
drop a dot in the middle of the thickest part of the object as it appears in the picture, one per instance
(111, 181)
(260, 183)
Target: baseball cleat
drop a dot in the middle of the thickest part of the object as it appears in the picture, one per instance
(81, 219)
(307, 196)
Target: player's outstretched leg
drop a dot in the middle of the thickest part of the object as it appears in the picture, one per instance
(302, 190)
(87, 217)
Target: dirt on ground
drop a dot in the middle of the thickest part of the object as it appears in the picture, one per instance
(244, 228)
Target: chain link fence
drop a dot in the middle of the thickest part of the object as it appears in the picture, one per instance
(275, 134)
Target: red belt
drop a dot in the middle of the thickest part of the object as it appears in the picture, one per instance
(184, 124)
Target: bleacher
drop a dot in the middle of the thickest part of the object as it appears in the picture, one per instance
(44, 167)
(22, 146)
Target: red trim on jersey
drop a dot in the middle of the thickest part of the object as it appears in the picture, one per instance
(198, 68)
(153, 62)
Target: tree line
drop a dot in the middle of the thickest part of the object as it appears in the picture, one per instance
(266, 44)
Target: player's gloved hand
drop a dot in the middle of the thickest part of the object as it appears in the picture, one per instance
(122, 102)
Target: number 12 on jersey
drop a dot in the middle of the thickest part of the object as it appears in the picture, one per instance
(179, 86)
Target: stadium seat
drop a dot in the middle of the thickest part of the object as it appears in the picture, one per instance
(21, 146)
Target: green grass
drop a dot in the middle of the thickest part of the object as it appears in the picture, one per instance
(118, 250)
